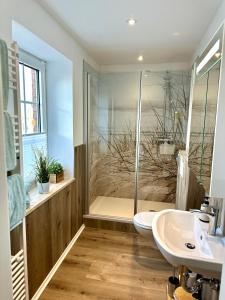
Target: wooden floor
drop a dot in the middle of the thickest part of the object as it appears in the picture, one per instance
(105, 264)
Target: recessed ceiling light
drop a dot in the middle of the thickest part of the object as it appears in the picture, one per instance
(140, 58)
(176, 33)
(218, 54)
(131, 21)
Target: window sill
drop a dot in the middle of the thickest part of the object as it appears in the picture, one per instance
(37, 199)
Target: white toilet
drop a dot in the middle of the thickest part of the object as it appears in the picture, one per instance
(143, 223)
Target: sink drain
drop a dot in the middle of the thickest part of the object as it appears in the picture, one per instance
(190, 245)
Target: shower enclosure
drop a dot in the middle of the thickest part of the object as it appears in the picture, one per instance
(135, 126)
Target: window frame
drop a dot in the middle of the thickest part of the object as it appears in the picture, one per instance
(35, 63)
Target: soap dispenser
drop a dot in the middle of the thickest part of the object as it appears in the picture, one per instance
(205, 208)
(205, 205)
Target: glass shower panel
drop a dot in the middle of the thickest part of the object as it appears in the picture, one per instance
(209, 128)
(112, 140)
(164, 112)
(92, 92)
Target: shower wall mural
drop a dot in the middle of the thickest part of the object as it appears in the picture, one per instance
(113, 133)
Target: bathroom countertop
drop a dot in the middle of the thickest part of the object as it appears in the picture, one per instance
(37, 199)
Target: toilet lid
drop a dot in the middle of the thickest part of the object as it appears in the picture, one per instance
(144, 219)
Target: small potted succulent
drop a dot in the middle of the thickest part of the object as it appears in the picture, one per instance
(56, 172)
(41, 171)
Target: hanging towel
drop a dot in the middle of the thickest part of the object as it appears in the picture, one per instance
(17, 200)
(10, 149)
(4, 72)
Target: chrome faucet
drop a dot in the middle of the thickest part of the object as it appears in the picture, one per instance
(213, 223)
(216, 216)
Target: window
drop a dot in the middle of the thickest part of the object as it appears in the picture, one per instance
(32, 94)
(30, 99)
(33, 110)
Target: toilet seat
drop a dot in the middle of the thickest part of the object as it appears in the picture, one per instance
(144, 219)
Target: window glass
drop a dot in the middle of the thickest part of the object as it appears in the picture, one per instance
(33, 112)
(32, 118)
(30, 101)
(23, 118)
(31, 84)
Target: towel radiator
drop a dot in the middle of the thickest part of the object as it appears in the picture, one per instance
(19, 260)
(18, 276)
(14, 99)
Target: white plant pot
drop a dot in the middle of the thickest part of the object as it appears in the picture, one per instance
(167, 149)
(43, 188)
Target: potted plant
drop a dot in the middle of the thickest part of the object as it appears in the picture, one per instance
(56, 172)
(41, 171)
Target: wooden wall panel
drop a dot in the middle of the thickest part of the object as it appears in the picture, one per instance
(60, 216)
(16, 239)
(39, 253)
(74, 218)
(80, 171)
(50, 228)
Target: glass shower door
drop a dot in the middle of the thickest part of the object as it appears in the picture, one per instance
(163, 120)
(112, 143)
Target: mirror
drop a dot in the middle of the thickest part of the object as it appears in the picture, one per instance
(204, 108)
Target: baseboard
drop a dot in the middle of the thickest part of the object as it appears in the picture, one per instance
(56, 266)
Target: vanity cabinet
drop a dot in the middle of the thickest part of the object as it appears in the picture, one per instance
(49, 231)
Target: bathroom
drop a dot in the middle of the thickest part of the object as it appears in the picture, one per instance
(123, 101)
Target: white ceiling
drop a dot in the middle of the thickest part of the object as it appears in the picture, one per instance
(100, 26)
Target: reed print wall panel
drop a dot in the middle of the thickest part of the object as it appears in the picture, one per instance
(112, 133)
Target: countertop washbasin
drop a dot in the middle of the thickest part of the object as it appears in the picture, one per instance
(183, 240)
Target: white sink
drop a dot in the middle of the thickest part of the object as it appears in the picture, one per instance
(173, 229)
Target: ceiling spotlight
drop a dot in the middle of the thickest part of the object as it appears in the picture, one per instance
(131, 21)
(140, 58)
(176, 33)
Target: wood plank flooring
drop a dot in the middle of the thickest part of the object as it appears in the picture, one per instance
(110, 265)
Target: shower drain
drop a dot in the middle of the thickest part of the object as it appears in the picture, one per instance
(190, 245)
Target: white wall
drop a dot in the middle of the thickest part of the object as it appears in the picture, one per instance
(60, 113)
(211, 30)
(145, 67)
(32, 16)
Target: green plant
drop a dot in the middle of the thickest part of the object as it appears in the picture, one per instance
(55, 167)
(41, 166)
